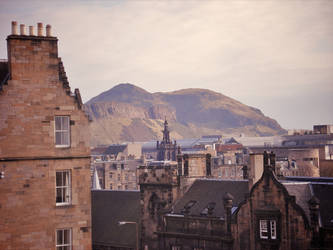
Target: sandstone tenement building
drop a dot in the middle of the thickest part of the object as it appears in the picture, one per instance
(44, 149)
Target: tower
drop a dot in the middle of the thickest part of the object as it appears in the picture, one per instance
(159, 188)
(166, 149)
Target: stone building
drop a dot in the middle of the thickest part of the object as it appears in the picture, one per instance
(118, 174)
(44, 149)
(259, 213)
(262, 213)
(166, 149)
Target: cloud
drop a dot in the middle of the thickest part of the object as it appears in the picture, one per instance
(249, 50)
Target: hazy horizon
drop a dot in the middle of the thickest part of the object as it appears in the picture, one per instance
(273, 55)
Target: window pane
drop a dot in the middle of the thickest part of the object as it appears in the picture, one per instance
(66, 236)
(65, 123)
(59, 179)
(58, 138)
(67, 195)
(59, 195)
(263, 229)
(64, 179)
(273, 229)
(57, 121)
(65, 138)
(59, 237)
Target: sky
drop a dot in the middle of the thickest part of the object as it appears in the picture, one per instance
(273, 55)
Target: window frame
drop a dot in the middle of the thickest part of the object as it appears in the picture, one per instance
(273, 224)
(61, 131)
(67, 187)
(69, 245)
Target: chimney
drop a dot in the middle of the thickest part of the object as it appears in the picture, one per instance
(31, 30)
(22, 29)
(48, 30)
(14, 28)
(40, 29)
(256, 168)
(227, 203)
(245, 172)
(314, 217)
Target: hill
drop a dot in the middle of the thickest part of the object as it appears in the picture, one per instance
(129, 113)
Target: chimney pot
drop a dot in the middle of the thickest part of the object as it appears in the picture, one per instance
(40, 29)
(22, 29)
(48, 30)
(14, 28)
(31, 30)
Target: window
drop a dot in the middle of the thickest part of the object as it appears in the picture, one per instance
(62, 134)
(273, 229)
(110, 186)
(110, 175)
(64, 239)
(263, 229)
(267, 229)
(118, 177)
(63, 187)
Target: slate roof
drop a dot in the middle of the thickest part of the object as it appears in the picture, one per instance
(324, 192)
(303, 188)
(302, 193)
(206, 191)
(108, 208)
(115, 149)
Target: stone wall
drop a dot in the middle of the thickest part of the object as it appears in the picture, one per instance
(38, 91)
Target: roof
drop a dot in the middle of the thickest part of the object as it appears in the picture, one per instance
(115, 149)
(302, 193)
(259, 141)
(304, 188)
(108, 208)
(98, 150)
(324, 192)
(207, 191)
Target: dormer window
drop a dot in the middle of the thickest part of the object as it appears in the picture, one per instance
(267, 229)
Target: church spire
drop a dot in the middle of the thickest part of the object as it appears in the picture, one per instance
(166, 132)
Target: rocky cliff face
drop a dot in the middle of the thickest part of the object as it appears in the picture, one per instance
(129, 113)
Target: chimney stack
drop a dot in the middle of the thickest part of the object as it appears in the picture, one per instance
(14, 28)
(227, 204)
(22, 29)
(48, 30)
(40, 29)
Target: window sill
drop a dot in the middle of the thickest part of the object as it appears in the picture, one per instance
(64, 205)
(62, 146)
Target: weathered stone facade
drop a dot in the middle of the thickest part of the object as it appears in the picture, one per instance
(118, 174)
(265, 213)
(286, 226)
(32, 158)
(159, 188)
